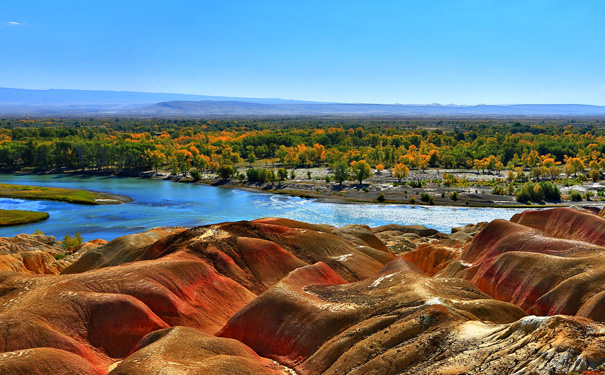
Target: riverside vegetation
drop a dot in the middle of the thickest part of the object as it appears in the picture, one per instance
(78, 196)
(17, 217)
(507, 154)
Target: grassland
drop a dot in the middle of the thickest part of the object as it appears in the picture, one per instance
(78, 196)
(16, 217)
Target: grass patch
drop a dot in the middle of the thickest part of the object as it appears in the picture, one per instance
(16, 217)
(50, 194)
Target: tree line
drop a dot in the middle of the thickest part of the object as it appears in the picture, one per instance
(546, 149)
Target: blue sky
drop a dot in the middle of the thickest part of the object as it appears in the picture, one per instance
(423, 51)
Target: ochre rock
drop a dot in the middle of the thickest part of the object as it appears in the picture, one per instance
(184, 351)
(285, 335)
(44, 361)
(28, 242)
(431, 258)
(121, 250)
(31, 254)
(32, 262)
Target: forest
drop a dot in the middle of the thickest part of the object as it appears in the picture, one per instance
(545, 148)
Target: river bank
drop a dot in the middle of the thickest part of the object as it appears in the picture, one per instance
(381, 187)
(159, 203)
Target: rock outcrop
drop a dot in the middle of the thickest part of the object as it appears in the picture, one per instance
(29, 253)
(187, 351)
(543, 271)
(273, 295)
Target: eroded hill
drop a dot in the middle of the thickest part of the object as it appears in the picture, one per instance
(275, 296)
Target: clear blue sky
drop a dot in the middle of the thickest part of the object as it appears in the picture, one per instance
(422, 51)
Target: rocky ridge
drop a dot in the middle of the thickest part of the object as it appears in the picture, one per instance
(276, 296)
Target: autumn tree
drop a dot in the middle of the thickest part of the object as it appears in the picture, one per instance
(400, 171)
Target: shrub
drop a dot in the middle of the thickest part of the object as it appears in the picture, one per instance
(328, 179)
(425, 197)
(466, 202)
(595, 175)
(412, 200)
(59, 256)
(537, 192)
(309, 175)
(415, 184)
(38, 231)
(292, 175)
(498, 190)
(225, 171)
(588, 194)
(443, 194)
(70, 243)
(431, 201)
(195, 174)
(510, 189)
(551, 191)
(575, 196)
(381, 197)
(282, 174)
(523, 195)
(454, 195)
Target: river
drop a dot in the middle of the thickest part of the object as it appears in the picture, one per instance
(166, 203)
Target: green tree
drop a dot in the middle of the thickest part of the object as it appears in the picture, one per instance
(225, 171)
(361, 170)
(341, 171)
(282, 174)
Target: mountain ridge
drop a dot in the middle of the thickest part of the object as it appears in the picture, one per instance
(66, 102)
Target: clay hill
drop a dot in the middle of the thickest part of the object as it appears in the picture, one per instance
(276, 296)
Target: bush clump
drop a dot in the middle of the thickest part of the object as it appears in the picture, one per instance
(498, 190)
(425, 197)
(195, 174)
(575, 196)
(260, 175)
(69, 243)
(226, 171)
(537, 192)
(381, 197)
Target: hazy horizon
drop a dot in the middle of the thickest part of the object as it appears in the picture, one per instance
(463, 53)
(298, 100)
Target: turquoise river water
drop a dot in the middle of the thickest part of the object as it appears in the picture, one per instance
(165, 203)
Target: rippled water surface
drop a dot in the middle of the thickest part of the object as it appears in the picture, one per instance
(166, 203)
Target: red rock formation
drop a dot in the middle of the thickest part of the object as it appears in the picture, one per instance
(118, 251)
(257, 254)
(543, 274)
(44, 361)
(567, 223)
(188, 351)
(100, 315)
(312, 306)
(320, 299)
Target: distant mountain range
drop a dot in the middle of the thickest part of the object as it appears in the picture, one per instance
(21, 102)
